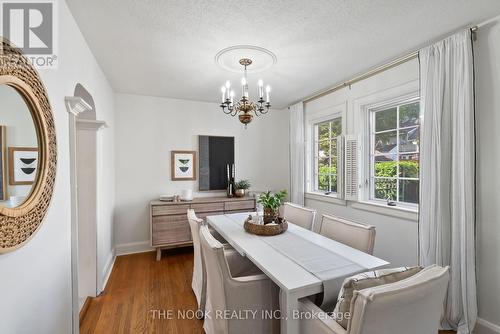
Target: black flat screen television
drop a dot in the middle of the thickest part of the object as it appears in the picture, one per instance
(215, 154)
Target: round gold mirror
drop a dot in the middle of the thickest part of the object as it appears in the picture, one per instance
(19, 144)
(27, 149)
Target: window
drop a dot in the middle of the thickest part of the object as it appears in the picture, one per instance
(394, 158)
(326, 155)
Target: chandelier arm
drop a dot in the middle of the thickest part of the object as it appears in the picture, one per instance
(228, 112)
(268, 105)
(262, 110)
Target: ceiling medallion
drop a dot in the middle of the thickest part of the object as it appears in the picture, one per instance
(263, 59)
(244, 108)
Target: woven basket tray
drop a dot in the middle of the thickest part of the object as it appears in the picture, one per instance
(267, 230)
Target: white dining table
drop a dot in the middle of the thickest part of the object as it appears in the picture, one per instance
(294, 281)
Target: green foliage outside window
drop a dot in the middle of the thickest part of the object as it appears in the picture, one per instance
(386, 172)
(327, 133)
(390, 169)
(387, 188)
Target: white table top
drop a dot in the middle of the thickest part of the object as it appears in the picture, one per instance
(287, 274)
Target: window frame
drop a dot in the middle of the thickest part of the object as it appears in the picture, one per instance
(313, 118)
(315, 157)
(369, 142)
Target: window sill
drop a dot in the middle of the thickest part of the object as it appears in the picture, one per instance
(325, 198)
(394, 211)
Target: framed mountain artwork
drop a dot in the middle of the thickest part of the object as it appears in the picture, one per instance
(183, 165)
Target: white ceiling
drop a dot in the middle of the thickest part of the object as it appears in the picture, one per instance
(168, 47)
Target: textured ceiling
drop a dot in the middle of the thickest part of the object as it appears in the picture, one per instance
(167, 48)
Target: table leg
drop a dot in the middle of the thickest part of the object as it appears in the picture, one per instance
(158, 254)
(288, 303)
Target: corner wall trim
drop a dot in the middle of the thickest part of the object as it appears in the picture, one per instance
(85, 308)
(486, 327)
(133, 247)
(108, 268)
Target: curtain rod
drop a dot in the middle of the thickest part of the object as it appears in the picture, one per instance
(379, 69)
(393, 63)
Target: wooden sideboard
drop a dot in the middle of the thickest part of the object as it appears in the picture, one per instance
(169, 227)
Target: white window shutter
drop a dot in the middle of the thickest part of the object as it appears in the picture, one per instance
(352, 152)
(340, 167)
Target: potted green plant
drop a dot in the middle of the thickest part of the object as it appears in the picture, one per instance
(271, 203)
(241, 187)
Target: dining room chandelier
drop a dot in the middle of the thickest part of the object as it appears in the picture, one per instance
(245, 108)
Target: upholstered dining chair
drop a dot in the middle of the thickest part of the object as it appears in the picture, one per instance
(212, 230)
(299, 215)
(199, 281)
(356, 235)
(234, 284)
(411, 306)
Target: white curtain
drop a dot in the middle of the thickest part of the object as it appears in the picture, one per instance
(297, 153)
(447, 201)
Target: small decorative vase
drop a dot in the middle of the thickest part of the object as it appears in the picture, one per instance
(239, 193)
(270, 215)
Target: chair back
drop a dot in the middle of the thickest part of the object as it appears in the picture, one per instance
(299, 215)
(413, 305)
(217, 274)
(353, 234)
(194, 225)
(199, 273)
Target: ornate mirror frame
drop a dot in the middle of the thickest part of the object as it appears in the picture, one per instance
(18, 225)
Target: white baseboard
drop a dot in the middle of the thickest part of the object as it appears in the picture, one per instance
(486, 327)
(133, 247)
(108, 268)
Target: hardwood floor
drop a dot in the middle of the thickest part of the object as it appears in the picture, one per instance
(140, 287)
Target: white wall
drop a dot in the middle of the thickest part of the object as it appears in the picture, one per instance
(396, 230)
(20, 130)
(35, 281)
(487, 62)
(148, 128)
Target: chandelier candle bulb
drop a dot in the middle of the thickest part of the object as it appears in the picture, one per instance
(228, 85)
(268, 90)
(223, 90)
(231, 95)
(243, 84)
(261, 88)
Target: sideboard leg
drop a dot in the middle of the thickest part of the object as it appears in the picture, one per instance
(158, 254)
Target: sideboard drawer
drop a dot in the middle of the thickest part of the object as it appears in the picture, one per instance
(239, 205)
(160, 210)
(170, 229)
(207, 207)
(204, 215)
